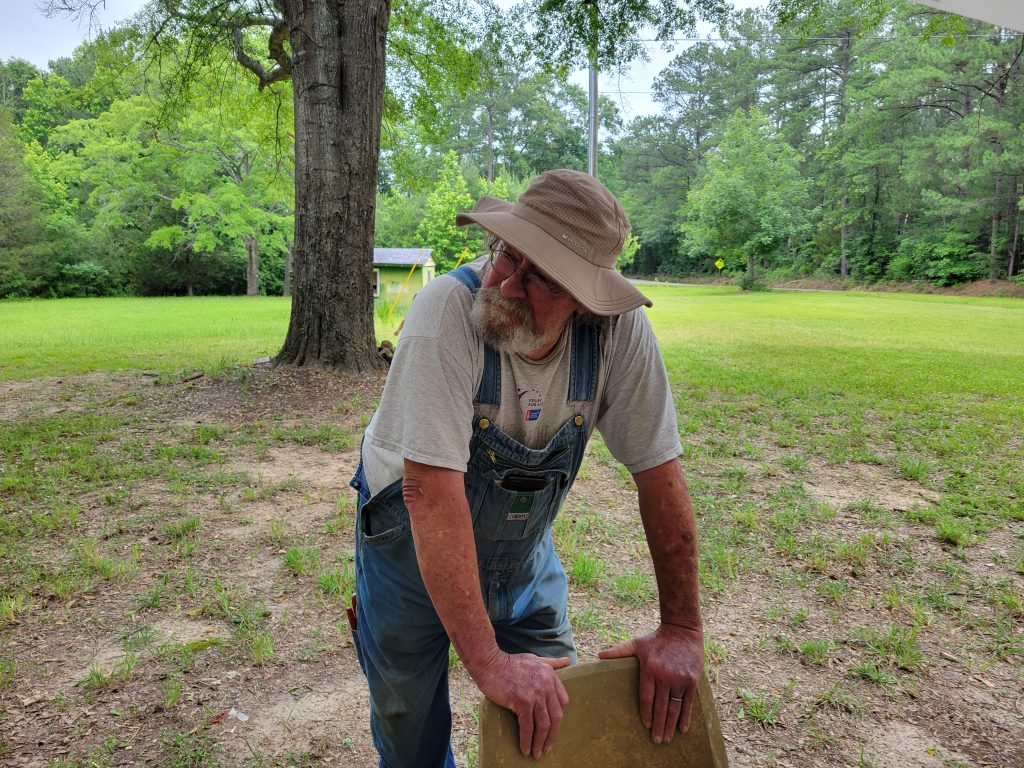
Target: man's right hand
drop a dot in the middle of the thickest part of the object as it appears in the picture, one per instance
(527, 685)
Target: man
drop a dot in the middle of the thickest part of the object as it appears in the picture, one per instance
(504, 368)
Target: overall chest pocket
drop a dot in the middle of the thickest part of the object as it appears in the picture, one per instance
(510, 501)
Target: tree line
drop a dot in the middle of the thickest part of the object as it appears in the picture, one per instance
(863, 150)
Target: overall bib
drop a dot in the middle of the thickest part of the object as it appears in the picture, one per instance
(514, 493)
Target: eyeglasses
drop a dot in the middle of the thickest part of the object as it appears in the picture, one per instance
(504, 264)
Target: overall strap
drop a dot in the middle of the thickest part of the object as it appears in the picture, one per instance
(489, 391)
(467, 277)
(586, 355)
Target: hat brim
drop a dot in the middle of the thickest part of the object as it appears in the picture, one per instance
(602, 290)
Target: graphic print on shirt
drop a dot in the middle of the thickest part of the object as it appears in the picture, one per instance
(530, 403)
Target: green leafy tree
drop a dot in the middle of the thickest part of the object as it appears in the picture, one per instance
(750, 200)
(24, 242)
(437, 229)
(15, 74)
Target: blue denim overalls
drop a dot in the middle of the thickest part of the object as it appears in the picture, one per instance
(514, 493)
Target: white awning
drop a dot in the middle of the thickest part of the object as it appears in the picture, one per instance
(1005, 13)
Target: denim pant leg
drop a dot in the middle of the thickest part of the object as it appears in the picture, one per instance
(403, 650)
(538, 620)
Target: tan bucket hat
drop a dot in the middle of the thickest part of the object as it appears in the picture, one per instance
(572, 228)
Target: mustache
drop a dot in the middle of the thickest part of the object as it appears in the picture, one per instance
(520, 310)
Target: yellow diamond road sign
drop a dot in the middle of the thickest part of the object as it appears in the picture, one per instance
(720, 264)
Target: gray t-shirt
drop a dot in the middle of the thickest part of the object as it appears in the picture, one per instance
(426, 411)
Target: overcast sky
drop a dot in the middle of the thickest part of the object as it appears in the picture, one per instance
(27, 34)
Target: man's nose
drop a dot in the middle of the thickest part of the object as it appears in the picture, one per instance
(514, 286)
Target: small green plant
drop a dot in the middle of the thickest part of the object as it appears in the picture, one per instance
(153, 597)
(11, 606)
(870, 671)
(799, 618)
(914, 468)
(870, 512)
(793, 462)
(66, 586)
(172, 693)
(760, 708)
(586, 570)
(140, 639)
(586, 619)
(454, 662)
(632, 588)
(746, 518)
(261, 648)
(1004, 640)
(97, 679)
(8, 671)
(953, 530)
(897, 646)
(714, 651)
(189, 750)
(339, 583)
(181, 529)
(302, 561)
(816, 651)
(838, 698)
(279, 532)
(835, 591)
(857, 553)
(106, 567)
(385, 308)
(343, 519)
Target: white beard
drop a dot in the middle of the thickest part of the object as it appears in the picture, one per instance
(513, 332)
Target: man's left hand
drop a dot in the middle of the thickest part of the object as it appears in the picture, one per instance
(671, 662)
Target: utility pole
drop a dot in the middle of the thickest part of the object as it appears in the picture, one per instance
(592, 121)
(592, 111)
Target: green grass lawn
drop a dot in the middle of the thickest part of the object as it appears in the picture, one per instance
(69, 336)
(792, 343)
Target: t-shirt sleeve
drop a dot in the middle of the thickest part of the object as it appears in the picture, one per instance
(426, 409)
(637, 416)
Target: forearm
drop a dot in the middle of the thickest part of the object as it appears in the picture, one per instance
(446, 552)
(671, 529)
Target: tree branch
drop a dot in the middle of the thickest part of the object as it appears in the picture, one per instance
(281, 71)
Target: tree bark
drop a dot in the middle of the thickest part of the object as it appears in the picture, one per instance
(994, 259)
(844, 234)
(1014, 266)
(287, 289)
(252, 272)
(338, 83)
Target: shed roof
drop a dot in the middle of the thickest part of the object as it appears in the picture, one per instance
(401, 257)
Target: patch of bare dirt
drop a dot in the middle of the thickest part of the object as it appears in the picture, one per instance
(840, 486)
(308, 466)
(978, 288)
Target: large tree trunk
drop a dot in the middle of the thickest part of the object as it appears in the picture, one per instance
(338, 81)
(252, 271)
